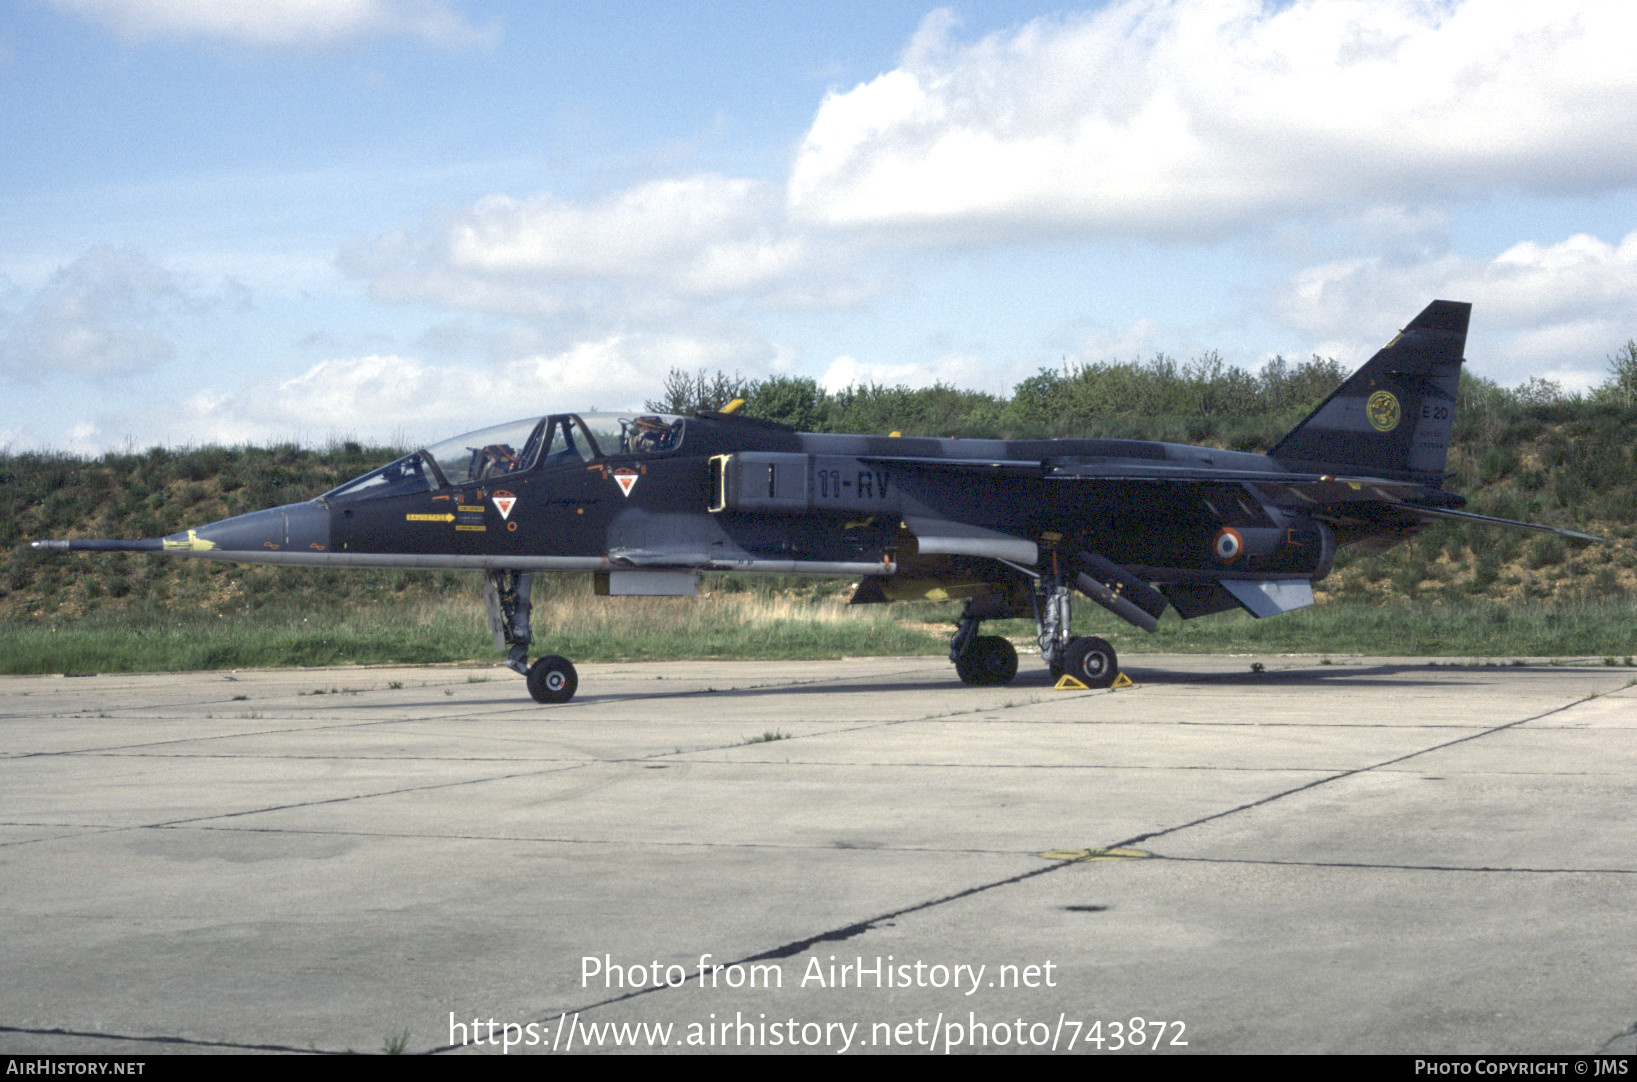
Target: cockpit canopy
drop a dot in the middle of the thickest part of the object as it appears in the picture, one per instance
(517, 447)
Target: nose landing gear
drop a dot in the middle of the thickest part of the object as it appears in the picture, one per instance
(551, 679)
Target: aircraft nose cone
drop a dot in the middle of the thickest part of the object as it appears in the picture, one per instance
(300, 527)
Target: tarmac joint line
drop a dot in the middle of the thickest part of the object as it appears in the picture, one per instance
(1080, 855)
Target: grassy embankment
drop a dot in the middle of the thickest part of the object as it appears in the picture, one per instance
(1453, 590)
(568, 621)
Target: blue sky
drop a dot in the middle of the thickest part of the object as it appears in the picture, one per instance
(401, 219)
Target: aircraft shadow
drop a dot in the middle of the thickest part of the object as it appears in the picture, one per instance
(1388, 675)
(1392, 675)
(1038, 679)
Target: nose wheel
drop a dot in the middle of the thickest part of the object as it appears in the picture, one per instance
(552, 679)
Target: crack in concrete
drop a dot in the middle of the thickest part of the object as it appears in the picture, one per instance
(794, 947)
(1381, 866)
(622, 843)
(1348, 774)
(192, 1042)
(1623, 1043)
(858, 928)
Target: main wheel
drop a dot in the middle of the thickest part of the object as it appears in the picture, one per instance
(1091, 661)
(552, 679)
(989, 660)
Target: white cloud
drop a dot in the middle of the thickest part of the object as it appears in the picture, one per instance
(105, 314)
(654, 247)
(1129, 343)
(703, 234)
(1178, 119)
(1555, 310)
(397, 399)
(963, 370)
(281, 23)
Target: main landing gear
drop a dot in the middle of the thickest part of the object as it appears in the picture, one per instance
(983, 659)
(989, 659)
(551, 679)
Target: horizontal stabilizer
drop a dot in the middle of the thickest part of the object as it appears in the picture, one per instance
(1467, 516)
(1270, 598)
(1195, 599)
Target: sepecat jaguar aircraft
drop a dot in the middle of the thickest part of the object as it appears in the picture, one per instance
(1013, 527)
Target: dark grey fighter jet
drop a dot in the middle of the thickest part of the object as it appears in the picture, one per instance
(1013, 527)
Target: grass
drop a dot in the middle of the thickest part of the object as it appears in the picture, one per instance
(191, 641)
(573, 623)
(752, 625)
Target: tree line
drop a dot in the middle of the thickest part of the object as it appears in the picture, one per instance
(1203, 397)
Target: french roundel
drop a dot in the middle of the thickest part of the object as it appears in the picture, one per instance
(1228, 545)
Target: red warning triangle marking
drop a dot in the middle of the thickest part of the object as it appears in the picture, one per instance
(504, 504)
(627, 480)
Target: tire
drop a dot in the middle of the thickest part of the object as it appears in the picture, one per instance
(552, 679)
(1091, 661)
(990, 660)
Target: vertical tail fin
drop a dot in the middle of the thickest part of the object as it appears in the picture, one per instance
(1393, 416)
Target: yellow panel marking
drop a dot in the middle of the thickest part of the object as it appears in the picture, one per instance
(194, 543)
(1096, 854)
(474, 529)
(430, 518)
(466, 507)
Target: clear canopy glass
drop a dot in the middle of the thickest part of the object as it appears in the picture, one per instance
(515, 447)
(489, 452)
